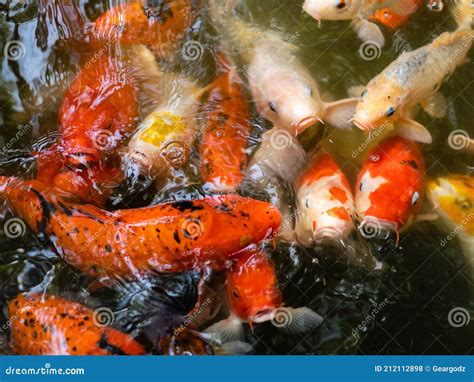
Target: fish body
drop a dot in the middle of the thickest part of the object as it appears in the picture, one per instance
(390, 187)
(49, 325)
(172, 237)
(453, 199)
(254, 297)
(325, 202)
(165, 137)
(363, 14)
(227, 119)
(413, 78)
(283, 90)
(160, 26)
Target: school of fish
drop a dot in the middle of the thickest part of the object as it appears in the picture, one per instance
(130, 115)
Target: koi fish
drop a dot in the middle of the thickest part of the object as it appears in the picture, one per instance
(453, 200)
(165, 137)
(184, 343)
(254, 297)
(415, 78)
(390, 187)
(283, 90)
(325, 202)
(50, 325)
(363, 13)
(172, 237)
(160, 26)
(436, 5)
(227, 130)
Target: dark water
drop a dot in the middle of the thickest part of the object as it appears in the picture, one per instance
(408, 301)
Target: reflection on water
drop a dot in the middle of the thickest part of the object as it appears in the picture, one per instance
(398, 307)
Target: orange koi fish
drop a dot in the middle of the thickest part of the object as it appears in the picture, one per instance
(172, 237)
(50, 325)
(390, 186)
(325, 202)
(395, 13)
(135, 22)
(254, 297)
(98, 112)
(227, 132)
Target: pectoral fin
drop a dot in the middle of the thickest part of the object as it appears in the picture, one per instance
(339, 114)
(229, 330)
(302, 320)
(369, 32)
(436, 105)
(412, 130)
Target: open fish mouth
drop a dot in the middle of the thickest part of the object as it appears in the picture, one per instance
(372, 227)
(361, 125)
(264, 315)
(306, 123)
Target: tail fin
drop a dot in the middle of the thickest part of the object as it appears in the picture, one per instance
(463, 12)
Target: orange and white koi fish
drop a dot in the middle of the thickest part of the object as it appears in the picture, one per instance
(390, 187)
(49, 325)
(165, 137)
(415, 78)
(228, 127)
(172, 237)
(362, 13)
(254, 297)
(284, 91)
(325, 202)
(135, 22)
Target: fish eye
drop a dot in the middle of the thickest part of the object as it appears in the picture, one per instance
(390, 111)
(235, 293)
(341, 4)
(361, 186)
(272, 106)
(415, 198)
(309, 90)
(465, 204)
(308, 203)
(364, 93)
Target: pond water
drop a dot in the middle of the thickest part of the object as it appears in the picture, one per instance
(401, 307)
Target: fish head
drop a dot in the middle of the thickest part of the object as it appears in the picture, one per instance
(332, 9)
(286, 95)
(454, 195)
(390, 186)
(161, 143)
(326, 203)
(252, 288)
(380, 105)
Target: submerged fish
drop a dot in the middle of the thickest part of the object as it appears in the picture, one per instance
(325, 202)
(284, 91)
(362, 12)
(390, 187)
(49, 325)
(185, 342)
(254, 297)
(159, 26)
(228, 127)
(165, 137)
(415, 78)
(173, 237)
(453, 200)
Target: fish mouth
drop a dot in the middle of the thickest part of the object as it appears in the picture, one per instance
(264, 315)
(306, 123)
(361, 125)
(372, 227)
(327, 233)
